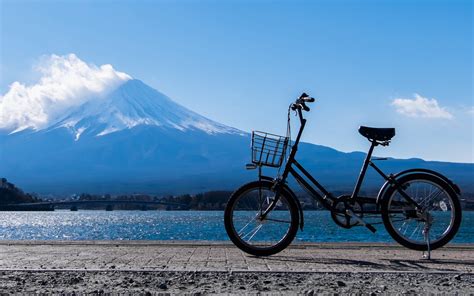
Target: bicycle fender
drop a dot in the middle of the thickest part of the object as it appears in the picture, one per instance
(434, 173)
(293, 195)
(387, 184)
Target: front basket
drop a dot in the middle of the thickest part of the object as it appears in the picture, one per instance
(268, 149)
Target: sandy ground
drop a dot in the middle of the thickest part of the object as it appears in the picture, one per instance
(203, 268)
(196, 283)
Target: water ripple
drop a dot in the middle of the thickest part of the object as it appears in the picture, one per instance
(170, 225)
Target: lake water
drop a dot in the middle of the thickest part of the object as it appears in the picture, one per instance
(179, 225)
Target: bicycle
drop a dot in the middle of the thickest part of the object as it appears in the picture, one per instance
(420, 208)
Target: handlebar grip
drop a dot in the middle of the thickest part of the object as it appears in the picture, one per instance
(303, 96)
(305, 108)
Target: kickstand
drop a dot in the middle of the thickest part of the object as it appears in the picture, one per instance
(426, 234)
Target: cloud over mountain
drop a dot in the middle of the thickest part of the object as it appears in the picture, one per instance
(65, 82)
(421, 107)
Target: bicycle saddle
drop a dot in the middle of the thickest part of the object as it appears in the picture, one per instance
(377, 134)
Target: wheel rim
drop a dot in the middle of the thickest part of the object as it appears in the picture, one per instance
(250, 229)
(434, 200)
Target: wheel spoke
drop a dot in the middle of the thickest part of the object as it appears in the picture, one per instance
(404, 223)
(415, 230)
(241, 230)
(278, 220)
(255, 232)
(428, 198)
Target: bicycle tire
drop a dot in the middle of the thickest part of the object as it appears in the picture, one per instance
(253, 249)
(455, 205)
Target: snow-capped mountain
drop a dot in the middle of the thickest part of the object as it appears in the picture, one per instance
(131, 105)
(133, 135)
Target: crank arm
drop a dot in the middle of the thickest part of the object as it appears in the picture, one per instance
(358, 219)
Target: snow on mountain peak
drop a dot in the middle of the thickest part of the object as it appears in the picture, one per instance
(132, 104)
(66, 82)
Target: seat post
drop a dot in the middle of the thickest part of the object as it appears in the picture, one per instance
(360, 179)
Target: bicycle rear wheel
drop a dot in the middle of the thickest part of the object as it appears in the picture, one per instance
(441, 212)
(253, 233)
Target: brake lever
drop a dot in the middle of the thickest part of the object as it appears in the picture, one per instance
(305, 108)
(300, 105)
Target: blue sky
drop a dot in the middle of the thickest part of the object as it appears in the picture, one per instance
(242, 62)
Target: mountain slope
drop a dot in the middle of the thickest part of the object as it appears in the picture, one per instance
(133, 104)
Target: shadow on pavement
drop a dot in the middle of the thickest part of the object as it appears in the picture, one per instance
(383, 264)
(335, 261)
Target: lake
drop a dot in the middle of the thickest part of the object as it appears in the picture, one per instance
(176, 225)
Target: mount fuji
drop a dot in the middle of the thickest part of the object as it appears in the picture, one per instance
(134, 104)
(133, 139)
(136, 139)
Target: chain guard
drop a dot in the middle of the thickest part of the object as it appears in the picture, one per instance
(341, 204)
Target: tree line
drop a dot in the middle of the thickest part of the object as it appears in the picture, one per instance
(10, 194)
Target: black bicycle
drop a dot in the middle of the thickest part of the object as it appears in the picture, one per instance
(420, 208)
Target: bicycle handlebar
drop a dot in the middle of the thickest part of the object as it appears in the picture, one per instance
(300, 103)
(305, 98)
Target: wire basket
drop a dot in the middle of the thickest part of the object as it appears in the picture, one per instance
(268, 149)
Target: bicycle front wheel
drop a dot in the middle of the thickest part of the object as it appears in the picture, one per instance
(440, 212)
(253, 232)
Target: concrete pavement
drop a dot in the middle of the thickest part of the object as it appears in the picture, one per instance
(224, 257)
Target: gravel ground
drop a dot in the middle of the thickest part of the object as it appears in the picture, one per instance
(196, 283)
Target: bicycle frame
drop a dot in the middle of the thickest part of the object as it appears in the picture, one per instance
(326, 198)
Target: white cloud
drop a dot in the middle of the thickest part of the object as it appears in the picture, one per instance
(421, 107)
(66, 81)
(471, 110)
